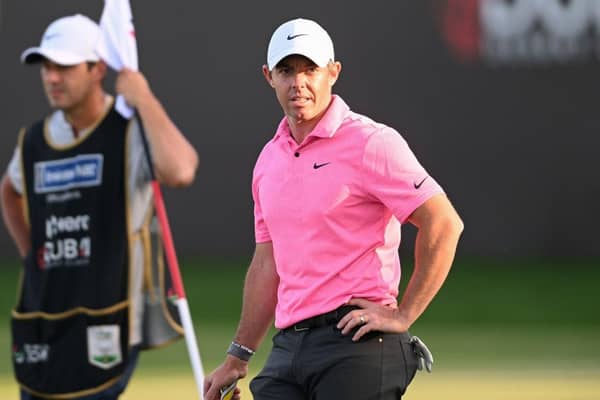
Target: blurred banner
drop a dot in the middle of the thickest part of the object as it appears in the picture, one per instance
(497, 98)
(503, 32)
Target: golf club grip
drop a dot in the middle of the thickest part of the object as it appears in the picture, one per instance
(227, 392)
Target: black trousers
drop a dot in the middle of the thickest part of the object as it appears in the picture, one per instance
(322, 364)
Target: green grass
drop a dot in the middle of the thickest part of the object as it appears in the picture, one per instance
(519, 292)
(501, 328)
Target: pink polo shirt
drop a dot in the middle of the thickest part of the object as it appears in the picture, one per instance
(332, 207)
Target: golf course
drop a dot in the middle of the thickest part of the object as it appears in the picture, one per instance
(505, 330)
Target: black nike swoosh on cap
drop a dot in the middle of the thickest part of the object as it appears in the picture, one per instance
(290, 37)
(50, 36)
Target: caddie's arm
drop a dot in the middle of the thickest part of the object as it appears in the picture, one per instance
(439, 228)
(13, 214)
(258, 309)
(175, 160)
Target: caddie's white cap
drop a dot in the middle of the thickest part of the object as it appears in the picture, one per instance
(67, 41)
(303, 37)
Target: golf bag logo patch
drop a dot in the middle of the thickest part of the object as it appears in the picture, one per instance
(68, 173)
(104, 349)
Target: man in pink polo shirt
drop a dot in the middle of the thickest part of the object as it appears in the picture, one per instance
(331, 191)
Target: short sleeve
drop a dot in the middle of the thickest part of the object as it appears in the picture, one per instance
(394, 176)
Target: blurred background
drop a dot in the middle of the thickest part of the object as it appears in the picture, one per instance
(496, 98)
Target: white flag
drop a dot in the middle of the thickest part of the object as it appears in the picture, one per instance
(118, 46)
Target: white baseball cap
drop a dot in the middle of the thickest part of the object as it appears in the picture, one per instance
(67, 41)
(303, 37)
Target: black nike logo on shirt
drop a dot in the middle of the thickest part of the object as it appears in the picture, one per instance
(290, 37)
(317, 166)
(418, 185)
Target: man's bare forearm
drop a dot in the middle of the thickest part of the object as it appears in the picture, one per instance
(439, 228)
(175, 159)
(14, 216)
(260, 298)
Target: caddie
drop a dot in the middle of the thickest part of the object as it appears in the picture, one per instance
(76, 200)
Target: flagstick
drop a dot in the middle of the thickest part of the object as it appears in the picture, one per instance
(167, 240)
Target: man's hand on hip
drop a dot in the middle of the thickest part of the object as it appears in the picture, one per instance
(372, 317)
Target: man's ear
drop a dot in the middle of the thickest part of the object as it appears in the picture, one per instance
(267, 74)
(100, 69)
(335, 68)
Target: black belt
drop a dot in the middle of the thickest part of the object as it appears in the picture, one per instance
(330, 318)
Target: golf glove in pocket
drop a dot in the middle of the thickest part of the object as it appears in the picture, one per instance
(424, 356)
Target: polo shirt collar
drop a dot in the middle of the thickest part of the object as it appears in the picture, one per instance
(327, 126)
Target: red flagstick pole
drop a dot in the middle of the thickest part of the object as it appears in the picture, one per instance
(167, 240)
(121, 50)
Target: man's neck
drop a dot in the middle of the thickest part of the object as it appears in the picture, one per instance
(301, 129)
(87, 113)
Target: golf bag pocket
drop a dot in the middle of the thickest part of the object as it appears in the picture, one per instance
(69, 354)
